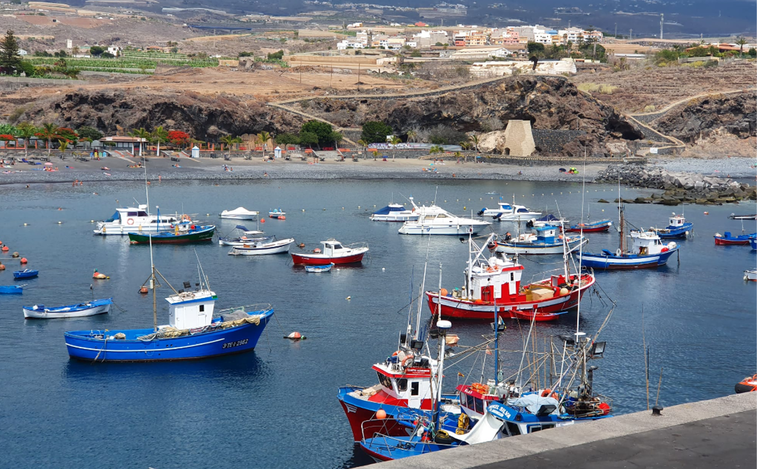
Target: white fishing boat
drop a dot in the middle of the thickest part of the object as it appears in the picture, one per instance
(239, 213)
(433, 220)
(90, 308)
(260, 248)
(138, 220)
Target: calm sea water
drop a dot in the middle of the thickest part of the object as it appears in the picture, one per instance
(277, 407)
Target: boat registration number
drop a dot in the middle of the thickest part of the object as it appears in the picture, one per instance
(235, 344)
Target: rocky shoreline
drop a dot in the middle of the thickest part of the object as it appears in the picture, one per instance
(678, 186)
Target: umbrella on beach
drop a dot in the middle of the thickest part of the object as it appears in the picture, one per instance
(48, 164)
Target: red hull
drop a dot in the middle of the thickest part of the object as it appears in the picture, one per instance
(588, 230)
(388, 426)
(542, 310)
(304, 259)
(726, 242)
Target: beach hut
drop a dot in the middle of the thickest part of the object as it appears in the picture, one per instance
(277, 152)
(195, 152)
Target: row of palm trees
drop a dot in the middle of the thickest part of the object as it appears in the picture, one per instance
(160, 135)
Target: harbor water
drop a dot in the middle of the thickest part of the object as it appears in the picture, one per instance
(277, 406)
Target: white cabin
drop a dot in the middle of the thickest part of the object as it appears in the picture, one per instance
(191, 309)
(676, 221)
(410, 383)
(648, 242)
(496, 279)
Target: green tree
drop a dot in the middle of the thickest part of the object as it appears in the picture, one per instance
(474, 139)
(375, 132)
(26, 131)
(287, 139)
(9, 57)
(741, 41)
(159, 135)
(49, 131)
(535, 48)
(363, 145)
(63, 145)
(263, 139)
(96, 51)
(308, 138)
(92, 133)
(275, 55)
(230, 141)
(323, 131)
(411, 135)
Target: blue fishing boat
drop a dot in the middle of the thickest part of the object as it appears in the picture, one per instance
(753, 243)
(647, 251)
(26, 273)
(678, 228)
(194, 331)
(183, 233)
(317, 269)
(544, 240)
(728, 240)
(90, 308)
(11, 289)
(590, 227)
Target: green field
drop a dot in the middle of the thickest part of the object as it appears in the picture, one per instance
(130, 62)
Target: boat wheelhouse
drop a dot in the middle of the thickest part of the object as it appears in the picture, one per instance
(395, 213)
(543, 240)
(137, 220)
(678, 227)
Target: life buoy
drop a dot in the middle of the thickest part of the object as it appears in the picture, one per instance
(405, 361)
(186, 217)
(130, 221)
(549, 393)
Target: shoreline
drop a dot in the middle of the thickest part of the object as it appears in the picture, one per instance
(159, 168)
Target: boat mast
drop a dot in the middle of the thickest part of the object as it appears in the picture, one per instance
(147, 194)
(153, 284)
(421, 293)
(621, 222)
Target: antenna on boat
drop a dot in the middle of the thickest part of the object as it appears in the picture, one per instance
(153, 284)
(201, 272)
(581, 241)
(147, 194)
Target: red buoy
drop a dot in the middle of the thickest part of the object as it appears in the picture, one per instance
(23, 260)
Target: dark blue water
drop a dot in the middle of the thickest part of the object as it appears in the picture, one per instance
(277, 407)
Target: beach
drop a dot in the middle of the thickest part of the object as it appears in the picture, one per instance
(159, 168)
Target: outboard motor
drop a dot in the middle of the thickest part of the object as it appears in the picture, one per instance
(530, 224)
(481, 212)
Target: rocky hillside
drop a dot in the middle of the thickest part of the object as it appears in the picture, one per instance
(735, 115)
(550, 103)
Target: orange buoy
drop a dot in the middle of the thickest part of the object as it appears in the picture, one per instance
(2, 267)
(263, 220)
(23, 260)
(143, 290)
(282, 217)
(443, 292)
(6, 249)
(381, 414)
(295, 336)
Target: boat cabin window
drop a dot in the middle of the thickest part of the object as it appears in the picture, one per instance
(337, 246)
(384, 380)
(202, 308)
(402, 385)
(537, 428)
(469, 400)
(479, 408)
(141, 214)
(511, 276)
(511, 429)
(522, 210)
(414, 388)
(131, 214)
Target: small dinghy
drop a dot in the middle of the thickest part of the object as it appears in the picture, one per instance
(259, 248)
(26, 273)
(749, 384)
(277, 213)
(317, 269)
(11, 289)
(90, 308)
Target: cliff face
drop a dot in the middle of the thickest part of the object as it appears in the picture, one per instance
(204, 117)
(551, 104)
(735, 115)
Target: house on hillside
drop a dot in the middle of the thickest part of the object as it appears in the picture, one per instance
(115, 51)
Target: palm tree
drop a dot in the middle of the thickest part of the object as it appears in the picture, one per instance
(474, 139)
(63, 145)
(394, 141)
(411, 135)
(229, 141)
(363, 145)
(48, 132)
(142, 134)
(741, 41)
(26, 131)
(159, 135)
(263, 138)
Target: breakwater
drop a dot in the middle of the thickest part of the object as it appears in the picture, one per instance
(678, 187)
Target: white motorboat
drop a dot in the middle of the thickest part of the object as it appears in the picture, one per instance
(239, 213)
(509, 212)
(751, 275)
(395, 213)
(138, 220)
(248, 237)
(259, 248)
(434, 220)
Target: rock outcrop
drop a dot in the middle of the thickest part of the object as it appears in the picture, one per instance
(678, 187)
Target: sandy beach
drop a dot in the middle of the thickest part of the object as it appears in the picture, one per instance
(122, 169)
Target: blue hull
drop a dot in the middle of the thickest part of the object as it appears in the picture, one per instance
(11, 290)
(678, 232)
(24, 274)
(102, 346)
(613, 262)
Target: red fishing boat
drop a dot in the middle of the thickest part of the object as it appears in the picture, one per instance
(591, 227)
(495, 284)
(333, 253)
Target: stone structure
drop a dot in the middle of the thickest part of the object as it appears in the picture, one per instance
(517, 139)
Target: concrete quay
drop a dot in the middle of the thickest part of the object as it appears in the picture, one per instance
(718, 433)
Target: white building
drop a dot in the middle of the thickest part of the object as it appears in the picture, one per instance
(115, 51)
